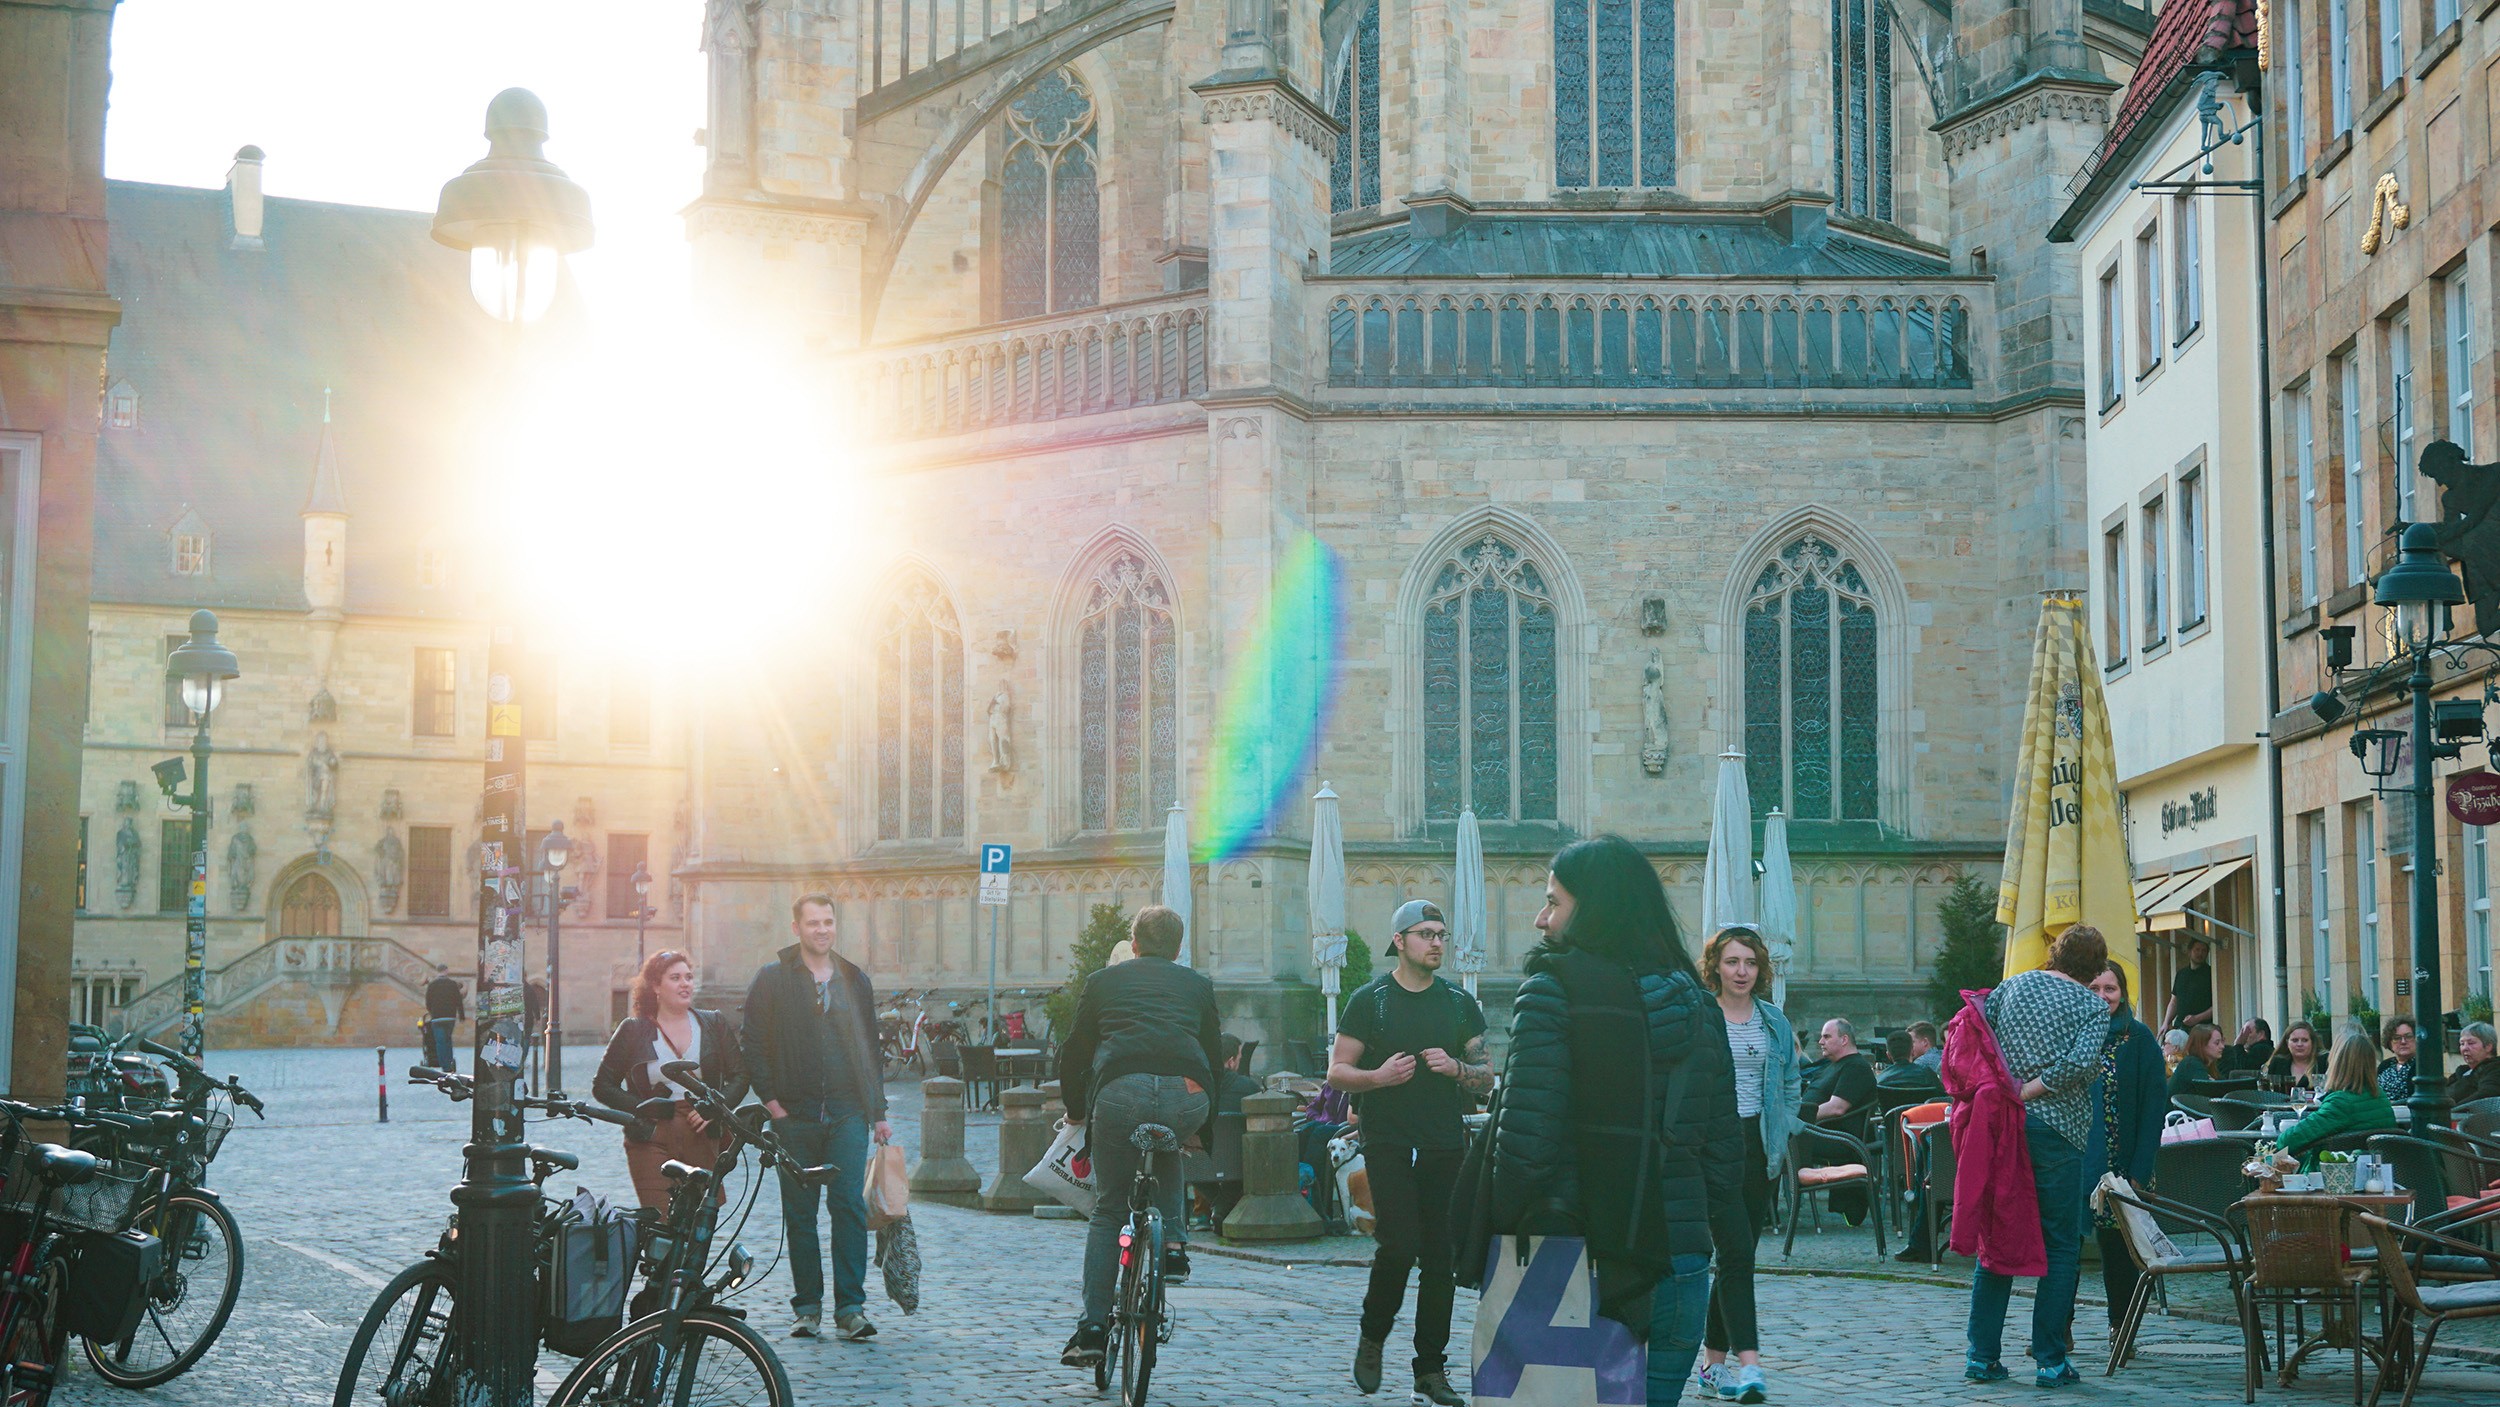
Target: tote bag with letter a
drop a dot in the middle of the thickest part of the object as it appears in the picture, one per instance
(1540, 1341)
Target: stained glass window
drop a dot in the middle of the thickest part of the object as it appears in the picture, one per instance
(1614, 93)
(1128, 698)
(920, 716)
(1354, 181)
(1050, 210)
(1489, 673)
(1862, 107)
(1810, 686)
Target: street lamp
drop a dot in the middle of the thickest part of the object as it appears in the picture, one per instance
(554, 853)
(516, 215)
(642, 910)
(199, 667)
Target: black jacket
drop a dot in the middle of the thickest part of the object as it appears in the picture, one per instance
(2141, 1098)
(1587, 1144)
(624, 1078)
(800, 1056)
(2467, 1083)
(444, 999)
(1146, 1016)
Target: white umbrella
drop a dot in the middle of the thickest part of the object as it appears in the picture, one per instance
(1467, 899)
(1327, 899)
(1727, 875)
(1779, 904)
(1176, 872)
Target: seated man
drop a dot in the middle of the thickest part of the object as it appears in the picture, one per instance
(1927, 1047)
(1232, 1083)
(1840, 1095)
(1905, 1072)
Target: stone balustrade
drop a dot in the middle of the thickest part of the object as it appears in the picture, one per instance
(1143, 353)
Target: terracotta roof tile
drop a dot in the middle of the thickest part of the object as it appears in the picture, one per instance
(2186, 31)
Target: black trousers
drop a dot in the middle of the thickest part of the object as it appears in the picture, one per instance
(1733, 1325)
(2118, 1272)
(1411, 1204)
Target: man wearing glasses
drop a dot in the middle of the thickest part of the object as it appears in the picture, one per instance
(1410, 1049)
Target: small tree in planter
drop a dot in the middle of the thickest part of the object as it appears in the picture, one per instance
(1106, 927)
(1312, 1007)
(1972, 955)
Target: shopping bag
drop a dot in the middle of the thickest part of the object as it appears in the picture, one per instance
(888, 1193)
(1066, 1172)
(898, 1255)
(1540, 1341)
(2181, 1127)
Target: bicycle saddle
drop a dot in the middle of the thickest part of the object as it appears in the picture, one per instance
(1154, 1138)
(64, 1167)
(554, 1158)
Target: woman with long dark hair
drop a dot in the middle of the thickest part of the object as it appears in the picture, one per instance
(2129, 1102)
(665, 1028)
(1619, 1119)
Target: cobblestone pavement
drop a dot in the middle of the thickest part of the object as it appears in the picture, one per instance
(332, 1203)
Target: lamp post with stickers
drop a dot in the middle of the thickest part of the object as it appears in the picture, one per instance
(517, 215)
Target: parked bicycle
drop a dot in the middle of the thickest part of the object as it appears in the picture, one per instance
(682, 1345)
(905, 1042)
(106, 1072)
(1141, 1319)
(200, 1271)
(71, 1265)
(400, 1351)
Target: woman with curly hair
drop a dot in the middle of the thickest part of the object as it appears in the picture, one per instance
(666, 1028)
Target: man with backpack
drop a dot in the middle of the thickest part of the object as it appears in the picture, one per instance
(1410, 1049)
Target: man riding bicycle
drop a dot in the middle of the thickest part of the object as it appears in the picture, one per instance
(1143, 1049)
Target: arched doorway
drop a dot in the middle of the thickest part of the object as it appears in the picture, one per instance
(310, 909)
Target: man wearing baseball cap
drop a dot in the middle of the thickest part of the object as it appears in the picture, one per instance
(1410, 1048)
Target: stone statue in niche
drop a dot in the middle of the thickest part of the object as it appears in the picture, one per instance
(126, 797)
(1653, 615)
(1654, 715)
(242, 870)
(321, 780)
(729, 45)
(1002, 722)
(390, 867)
(126, 862)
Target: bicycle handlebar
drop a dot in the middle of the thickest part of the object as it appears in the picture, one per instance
(194, 1074)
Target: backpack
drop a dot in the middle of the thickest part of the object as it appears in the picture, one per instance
(589, 1274)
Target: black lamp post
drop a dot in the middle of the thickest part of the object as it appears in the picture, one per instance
(554, 853)
(517, 215)
(642, 909)
(200, 667)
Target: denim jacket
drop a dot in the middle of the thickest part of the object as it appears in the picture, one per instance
(1783, 1086)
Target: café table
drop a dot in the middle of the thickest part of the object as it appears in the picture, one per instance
(1022, 1063)
(2300, 1248)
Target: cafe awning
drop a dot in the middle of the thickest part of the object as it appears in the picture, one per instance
(2163, 900)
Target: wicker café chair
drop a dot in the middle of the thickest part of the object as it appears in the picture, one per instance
(2431, 1306)
(2299, 1249)
(2138, 1215)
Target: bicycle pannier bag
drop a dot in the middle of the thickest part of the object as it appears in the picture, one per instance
(106, 1289)
(589, 1274)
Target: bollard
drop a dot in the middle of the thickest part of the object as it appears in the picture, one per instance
(1272, 1207)
(1023, 1138)
(382, 1082)
(943, 1173)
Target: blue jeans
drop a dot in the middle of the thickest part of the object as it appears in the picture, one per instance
(841, 1140)
(1679, 1307)
(438, 1051)
(1119, 1107)
(2057, 1176)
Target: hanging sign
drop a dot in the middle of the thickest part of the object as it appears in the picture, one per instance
(2474, 797)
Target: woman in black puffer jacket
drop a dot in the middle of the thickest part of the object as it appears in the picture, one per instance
(1619, 1103)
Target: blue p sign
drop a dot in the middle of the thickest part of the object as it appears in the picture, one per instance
(994, 859)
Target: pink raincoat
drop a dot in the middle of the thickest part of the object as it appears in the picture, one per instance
(1996, 1206)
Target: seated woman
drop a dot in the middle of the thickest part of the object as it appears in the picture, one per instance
(2203, 1060)
(2353, 1104)
(2297, 1065)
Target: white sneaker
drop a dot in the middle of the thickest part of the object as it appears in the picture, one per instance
(1748, 1387)
(1709, 1378)
(808, 1326)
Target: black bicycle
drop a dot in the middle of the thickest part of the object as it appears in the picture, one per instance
(1141, 1320)
(401, 1350)
(681, 1345)
(201, 1271)
(56, 1203)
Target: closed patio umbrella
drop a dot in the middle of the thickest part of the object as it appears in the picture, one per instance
(1779, 904)
(1327, 886)
(2065, 850)
(1727, 872)
(1176, 874)
(1467, 922)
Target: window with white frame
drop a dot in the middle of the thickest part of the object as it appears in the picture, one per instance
(121, 405)
(2391, 41)
(2305, 466)
(2365, 900)
(2113, 381)
(2339, 65)
(2478, 909)
(2444, 13)
(2187, 267)
(2321, 915)
(190, 554)
(2460, 312)
(2356, 478)
(2295, 89)
(2156, 549)
(2148, 298)
(2191, 587)
(2114, 567)
(2400, 411)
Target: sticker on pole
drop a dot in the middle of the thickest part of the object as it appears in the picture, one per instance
(2474, 797)
(996, 862)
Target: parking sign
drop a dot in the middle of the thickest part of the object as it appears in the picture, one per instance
(996, 861)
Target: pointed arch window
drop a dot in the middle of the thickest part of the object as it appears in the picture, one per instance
(1489, 687)
(1050, 212)
(1614, 93)
(1354, 182)
(1128, 697)
(920, 716)
(1810, 686)
(1862, 107)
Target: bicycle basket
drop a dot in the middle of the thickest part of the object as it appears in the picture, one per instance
(218, 1121)
(106, 1204)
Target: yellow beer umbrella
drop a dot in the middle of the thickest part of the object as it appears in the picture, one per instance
(2065, 851)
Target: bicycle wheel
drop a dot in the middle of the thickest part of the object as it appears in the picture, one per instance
(1141, 1313)
(705, 1359)
(398, 1357)
(190, 1299)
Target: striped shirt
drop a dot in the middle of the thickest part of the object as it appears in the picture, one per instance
(1750, 1045)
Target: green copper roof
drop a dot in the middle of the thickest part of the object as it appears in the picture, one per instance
(1650, 245)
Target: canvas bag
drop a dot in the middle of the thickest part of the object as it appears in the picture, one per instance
(589, 1274)
(1066, 1171)
(888, 1192)
(1540, 1341)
